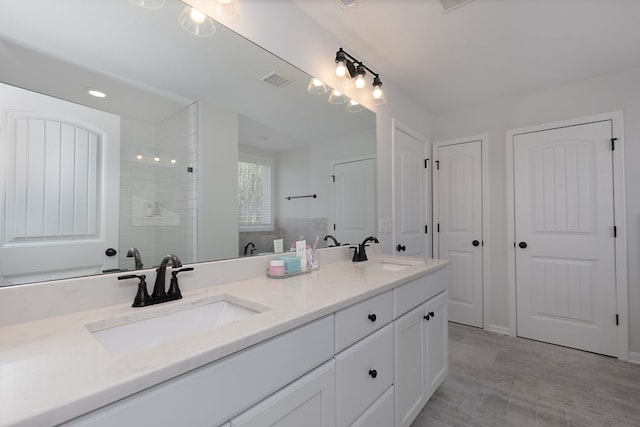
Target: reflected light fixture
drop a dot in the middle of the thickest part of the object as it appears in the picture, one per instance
(149, 4)
(316, 87)
(337, 97)
(196, 22)
(348, 66)
(354, 106)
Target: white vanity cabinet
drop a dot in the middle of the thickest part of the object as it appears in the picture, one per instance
(212, 394)
(421, 357)
(375, 363)
(308, 401)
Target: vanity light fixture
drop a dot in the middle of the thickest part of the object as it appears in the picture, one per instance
(348, 66)
(225, 9)
(316, 87)
(97, 93)
(337, 97)
(354, 106)
(196, 22)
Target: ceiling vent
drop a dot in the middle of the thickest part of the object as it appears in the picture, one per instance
(276, 79)
(449, 5)
(348, 4)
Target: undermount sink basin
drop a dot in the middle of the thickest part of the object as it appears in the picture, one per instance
(130, 333)
(394, 264)
(391, 266)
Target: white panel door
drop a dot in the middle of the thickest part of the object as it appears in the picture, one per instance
(458, 221)
(354, 200)
(60, 192)
(564, 231)
(409, 179)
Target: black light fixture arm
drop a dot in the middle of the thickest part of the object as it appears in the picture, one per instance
(343, 55)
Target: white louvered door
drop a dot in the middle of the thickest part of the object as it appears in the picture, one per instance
(60, 192)
(565, 259)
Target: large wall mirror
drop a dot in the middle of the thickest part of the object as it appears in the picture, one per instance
(204, 146)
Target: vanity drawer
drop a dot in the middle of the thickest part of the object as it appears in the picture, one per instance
(364, 372)
(359, 320)
(414, 293)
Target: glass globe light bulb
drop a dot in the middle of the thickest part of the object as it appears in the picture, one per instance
(377, 92)
(360, 81)
(197, 16)
(341, 69)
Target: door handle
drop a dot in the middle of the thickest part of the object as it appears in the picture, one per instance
(110, 252)
(475, 243)
(401, 248)
(522, 245)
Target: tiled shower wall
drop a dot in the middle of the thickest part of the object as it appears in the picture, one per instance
(177, 184)
(157, 198)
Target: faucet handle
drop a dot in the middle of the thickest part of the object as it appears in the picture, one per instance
(174, 289)
(142, 296)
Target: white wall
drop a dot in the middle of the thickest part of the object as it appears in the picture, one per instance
(620, 91)
(217, 160)
(285, 30)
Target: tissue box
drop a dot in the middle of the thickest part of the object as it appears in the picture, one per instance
(291, 264)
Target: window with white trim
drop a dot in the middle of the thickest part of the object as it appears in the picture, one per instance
(255, 211)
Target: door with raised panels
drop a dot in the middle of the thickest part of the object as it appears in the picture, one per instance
(60, 198)
(564, 236)
(409, 194)
(354, 200)
(458, 225)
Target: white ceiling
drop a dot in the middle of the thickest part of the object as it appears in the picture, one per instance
(487, 49)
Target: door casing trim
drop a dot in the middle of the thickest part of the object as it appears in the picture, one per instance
(619, 206)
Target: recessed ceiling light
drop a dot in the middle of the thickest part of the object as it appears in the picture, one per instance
(173, 161)
(139, 157)
(97, 93)
(157, 159)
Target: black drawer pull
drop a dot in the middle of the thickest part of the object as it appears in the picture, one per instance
(373, 373)
(372, 317)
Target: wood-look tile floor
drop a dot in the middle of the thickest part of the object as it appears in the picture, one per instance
(498, 380)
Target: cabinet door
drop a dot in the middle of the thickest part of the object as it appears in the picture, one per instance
(410, 349)
(437, 341)
(309, 402)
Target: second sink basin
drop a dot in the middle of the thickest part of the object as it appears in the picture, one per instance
(126, 334)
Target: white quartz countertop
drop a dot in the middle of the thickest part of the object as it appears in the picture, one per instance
(54, 369)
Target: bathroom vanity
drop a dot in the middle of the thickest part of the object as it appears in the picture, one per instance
(360, 344)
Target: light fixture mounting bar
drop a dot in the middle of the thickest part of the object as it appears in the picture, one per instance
(354, 60)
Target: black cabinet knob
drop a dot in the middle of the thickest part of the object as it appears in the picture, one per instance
(110, 252)
(522, 245)
(426, 317)
(372, 317)
(401, 248)
(475, 243)
(432, 314)
(373, 373)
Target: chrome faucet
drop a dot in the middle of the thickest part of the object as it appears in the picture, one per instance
(158, 286)
(329, 236)
(246, 247)
(133, 253)
(360, 254)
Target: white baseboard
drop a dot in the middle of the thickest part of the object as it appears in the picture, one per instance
(634, 357)
(502, 330)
